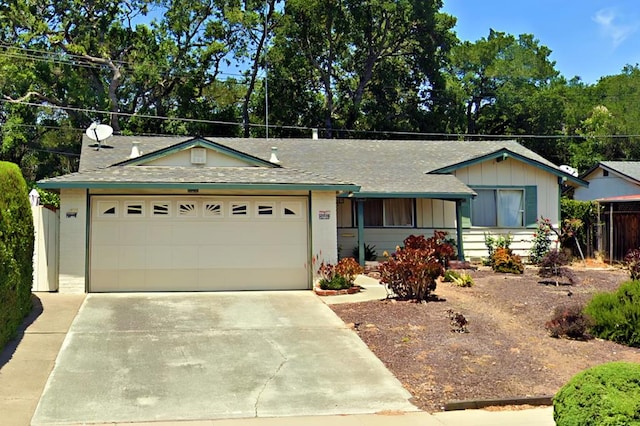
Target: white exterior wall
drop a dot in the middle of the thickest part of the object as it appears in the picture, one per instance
(46, 225)
(73, 237)
(324, 244)
(510, 172)
(605, 186)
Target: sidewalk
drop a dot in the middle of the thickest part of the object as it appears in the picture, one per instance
(26, 363)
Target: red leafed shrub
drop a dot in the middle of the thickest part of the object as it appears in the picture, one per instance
(570, 322)
(411, 272)
(348, 267)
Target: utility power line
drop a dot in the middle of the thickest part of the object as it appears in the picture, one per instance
(290, 127)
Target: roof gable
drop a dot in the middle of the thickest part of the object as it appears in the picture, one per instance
(503, 154)
(628, 170)
(196, 153)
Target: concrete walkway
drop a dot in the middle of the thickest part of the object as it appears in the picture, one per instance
(26, 363)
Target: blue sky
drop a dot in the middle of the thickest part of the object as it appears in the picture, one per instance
(588, 38)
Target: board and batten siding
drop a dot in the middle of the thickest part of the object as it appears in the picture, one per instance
(73, 240)
(431, 215)
(510, 173)
(601, 186)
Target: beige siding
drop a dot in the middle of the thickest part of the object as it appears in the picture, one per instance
(73, 235)
(510, 172)
(384, 239)
(515, 173)
(475, 248)
(183, 159)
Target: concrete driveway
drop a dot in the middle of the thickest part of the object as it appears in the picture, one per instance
(191, 356)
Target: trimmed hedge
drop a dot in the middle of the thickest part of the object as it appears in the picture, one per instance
(608, 394)
(16, 251)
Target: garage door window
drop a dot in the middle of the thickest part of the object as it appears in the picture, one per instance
(265, 209)
(160, 209)
(134, 209)
(213, 209)
(291, 209)
(108, 208)
(187, 210)
(239, 209)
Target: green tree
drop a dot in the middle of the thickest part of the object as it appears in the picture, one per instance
(499, 78)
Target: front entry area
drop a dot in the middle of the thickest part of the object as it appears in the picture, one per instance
(198, 243)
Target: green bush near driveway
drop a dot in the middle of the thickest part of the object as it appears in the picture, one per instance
(16, 251)
(607, 394)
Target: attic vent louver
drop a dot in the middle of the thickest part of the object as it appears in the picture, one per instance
(198, 156)
(135, 150)
(274, 155)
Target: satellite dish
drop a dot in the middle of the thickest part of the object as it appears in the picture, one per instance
(99, 132)
(569, 170)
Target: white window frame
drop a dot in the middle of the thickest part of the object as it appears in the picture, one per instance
(295, 207)
(192, 213)
(108, 205)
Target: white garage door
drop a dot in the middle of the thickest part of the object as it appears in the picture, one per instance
(198, 243)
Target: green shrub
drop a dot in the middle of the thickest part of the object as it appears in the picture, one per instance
(541, 241)
(461, 279)
(370, 253)
(450, 275)
(505, 261)
(569, 322)
(338, 282)
(608, 394)
(494, 243)
(16, 251)
(616, 315)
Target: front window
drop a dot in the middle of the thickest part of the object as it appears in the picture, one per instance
(498, 207)
(388, 213)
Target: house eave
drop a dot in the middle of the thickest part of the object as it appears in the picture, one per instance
(452, 196)
(201, 185)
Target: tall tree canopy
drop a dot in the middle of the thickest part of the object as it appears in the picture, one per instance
(378, 68)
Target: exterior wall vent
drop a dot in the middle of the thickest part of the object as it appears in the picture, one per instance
(198, 156)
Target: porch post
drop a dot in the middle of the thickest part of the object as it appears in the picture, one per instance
(360, 212)
(459, 229)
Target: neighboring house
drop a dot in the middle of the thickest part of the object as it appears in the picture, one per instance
(616, 187)
(610, 179)
(177, 213)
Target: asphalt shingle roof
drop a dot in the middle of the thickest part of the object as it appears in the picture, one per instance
(628, 168)
(378, 166)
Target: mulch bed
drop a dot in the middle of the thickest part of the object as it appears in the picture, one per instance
(506, 352)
